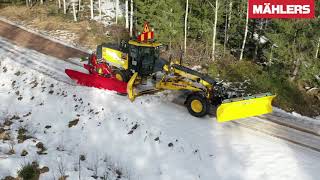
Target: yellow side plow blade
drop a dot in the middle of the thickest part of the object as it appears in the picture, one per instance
(238, 108)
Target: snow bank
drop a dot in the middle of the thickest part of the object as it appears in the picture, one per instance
(296, 120)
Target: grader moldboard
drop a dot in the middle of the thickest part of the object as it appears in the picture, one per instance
(135, 68)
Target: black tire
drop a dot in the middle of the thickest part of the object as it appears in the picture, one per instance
(128, 73)
(122, 75)
(198, 99)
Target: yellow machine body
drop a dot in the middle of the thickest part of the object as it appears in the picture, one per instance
(239, 108)
(231, 109)
(115, 58)
(142, 44)
(203, 89)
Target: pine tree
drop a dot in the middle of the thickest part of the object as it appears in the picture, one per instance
(167, 22)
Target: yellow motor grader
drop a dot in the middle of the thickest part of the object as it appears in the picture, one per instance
(138, 63)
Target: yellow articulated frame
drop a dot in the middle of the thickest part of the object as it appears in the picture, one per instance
(244, 108)
(181, 73)
(130, 88)
(176, 85)
(188, 76)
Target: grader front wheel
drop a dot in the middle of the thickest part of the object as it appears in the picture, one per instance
(197, 105)
(122, 75)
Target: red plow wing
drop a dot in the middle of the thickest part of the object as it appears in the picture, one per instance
(94, 80)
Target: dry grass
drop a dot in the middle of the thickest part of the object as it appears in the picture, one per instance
(49, 18)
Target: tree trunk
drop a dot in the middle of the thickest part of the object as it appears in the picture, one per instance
(91, 8)
(225, 31)
(100, 10)
(215, 31)
(271, 55)
(230, 14)
(170, 36)
(74, 11)
(257, 44)
(186, 27)
(296, 70)
(64, 7)
(79, 5)
(127, 15)
(59, 4)
(131, 18)
(27, 3)
(245, 35)
(317, 51)
(117, 10)
(227, 26)
(41, 1)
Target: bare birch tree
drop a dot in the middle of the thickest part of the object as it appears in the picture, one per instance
(228, 13)
(79, 5)
(317, 50)
(186, 26)
(100, 9)
(91, 8)
(225, 32)
(215, 30)
(271, 55)
(295, 72)
(245, 35)
(117, 10)
(74, 11)
(59, 4)
(229, 17)
(131, 18)
(64, 7)
(126, 14)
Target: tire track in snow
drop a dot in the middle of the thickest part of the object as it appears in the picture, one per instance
(34, 60)
(283, 132)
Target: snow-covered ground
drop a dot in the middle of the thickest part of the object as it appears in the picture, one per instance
(151, 138)
(108, 12)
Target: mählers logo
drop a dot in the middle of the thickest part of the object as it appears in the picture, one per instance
(281, 8)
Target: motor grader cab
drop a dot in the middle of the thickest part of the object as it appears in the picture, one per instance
(132, 57)
(142, 58)
(138, 63)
